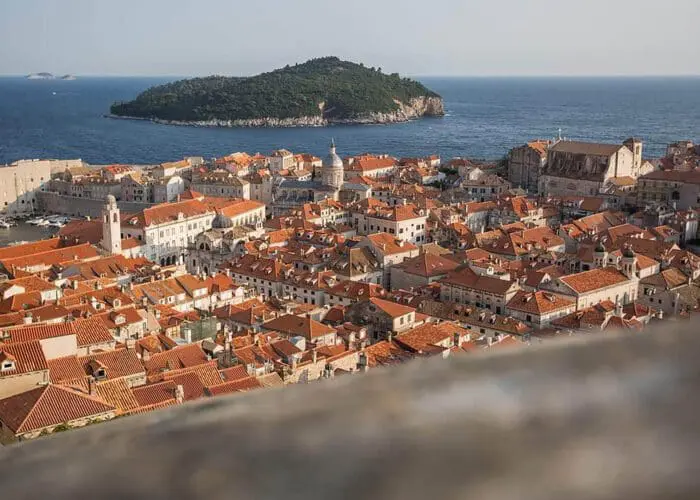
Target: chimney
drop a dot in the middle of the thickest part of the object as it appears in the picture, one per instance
(457, 339)
(146, 355)
(314, 356)
(92, 390)
(130, 344)
(179, 394)
(228, 354)
(362, 362)
(618, 310)
(27, 320)
(293, 363)
(74, 284)
(489, 341)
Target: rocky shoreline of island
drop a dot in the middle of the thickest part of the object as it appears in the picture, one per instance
(417, 108)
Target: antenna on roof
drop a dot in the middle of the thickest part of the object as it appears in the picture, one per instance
(559, 134)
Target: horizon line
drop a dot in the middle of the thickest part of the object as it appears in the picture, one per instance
(553, 75)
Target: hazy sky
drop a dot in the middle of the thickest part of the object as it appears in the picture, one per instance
(415, 37)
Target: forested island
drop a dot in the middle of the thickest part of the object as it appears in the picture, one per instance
(315, 93)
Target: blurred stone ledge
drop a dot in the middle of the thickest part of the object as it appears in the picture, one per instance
(599, 417)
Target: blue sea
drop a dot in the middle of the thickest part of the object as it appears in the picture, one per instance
(485, 118)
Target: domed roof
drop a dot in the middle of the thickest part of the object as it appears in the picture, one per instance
(333, 160)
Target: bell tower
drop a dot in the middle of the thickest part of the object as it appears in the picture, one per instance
(111, 227)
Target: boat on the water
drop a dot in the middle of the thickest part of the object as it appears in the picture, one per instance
(58, 221)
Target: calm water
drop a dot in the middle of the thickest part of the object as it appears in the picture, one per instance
(486, 117)
(25, 232)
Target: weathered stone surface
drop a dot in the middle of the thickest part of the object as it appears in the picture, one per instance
(614, 417)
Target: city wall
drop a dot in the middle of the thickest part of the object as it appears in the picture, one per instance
(67, 205)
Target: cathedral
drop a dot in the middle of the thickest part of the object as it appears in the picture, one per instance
(290, 194)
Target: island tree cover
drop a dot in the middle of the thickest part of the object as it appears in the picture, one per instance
(327, 86)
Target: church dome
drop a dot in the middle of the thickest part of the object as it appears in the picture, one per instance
(333, 160)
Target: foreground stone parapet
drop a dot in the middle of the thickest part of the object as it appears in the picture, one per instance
(611, 417)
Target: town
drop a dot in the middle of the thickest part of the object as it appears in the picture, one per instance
(197, 278)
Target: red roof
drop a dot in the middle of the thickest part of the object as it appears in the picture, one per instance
(28, 357)
(155, 394)
(538, 302)
(595, 279)
(48, 406)
(177, 358)
(296, 325)
(242, 385)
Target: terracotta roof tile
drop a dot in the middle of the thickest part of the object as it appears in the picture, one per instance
(48, 406)
(118, 363)
(539, 302)
(27, 356)
(242, 385)
(424, 337)
(595, 279)
(391, 308)
(65, 369)
(237, 372)
(296, 325)
(154, 394)
(469, 279)
(428, 265)
(117, 393)
(175, 359)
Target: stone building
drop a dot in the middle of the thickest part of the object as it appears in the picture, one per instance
(582, 168)
(470, 288)
(525, 164)
(281, 160)
(222, 183)
(19, 183)
(168, 189)
(589, 288)
(679, 188)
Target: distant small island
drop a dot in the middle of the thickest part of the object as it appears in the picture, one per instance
(318, 92)
(49, 76)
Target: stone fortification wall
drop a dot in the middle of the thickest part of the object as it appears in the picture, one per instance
(55, 203)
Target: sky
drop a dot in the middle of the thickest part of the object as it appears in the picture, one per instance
(412, 37)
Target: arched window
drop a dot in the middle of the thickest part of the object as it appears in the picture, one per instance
(675, 195)
(114, 217)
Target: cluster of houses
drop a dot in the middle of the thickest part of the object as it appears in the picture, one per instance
(263, 271)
